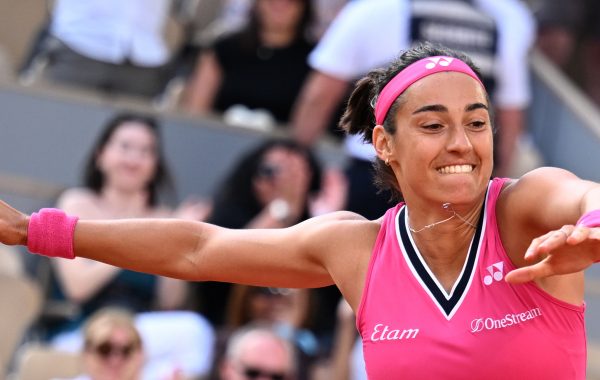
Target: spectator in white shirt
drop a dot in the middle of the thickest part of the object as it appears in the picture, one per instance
(110, 45)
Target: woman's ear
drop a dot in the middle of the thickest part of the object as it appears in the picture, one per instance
(381, 143)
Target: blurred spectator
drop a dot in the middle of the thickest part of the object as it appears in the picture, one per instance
(260, 67)
(257, 353)
(268, 306)
(123, 177)
(287, 311)
(113, 347)
(270, 186)
(111, 46)
(368, 34)
(347, 361)
(234, 15)
(559, 23)
(275, 184)
(570, 36)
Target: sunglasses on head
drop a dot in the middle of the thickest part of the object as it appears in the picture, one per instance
(255, 373)
(108, 349)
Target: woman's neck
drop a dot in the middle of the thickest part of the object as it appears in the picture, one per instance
(277, 37)
(444, 245)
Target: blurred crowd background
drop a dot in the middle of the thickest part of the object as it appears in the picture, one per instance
(225, 111)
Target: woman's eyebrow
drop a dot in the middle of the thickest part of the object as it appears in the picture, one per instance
(442, 108)
(431, 108)
(475, 106)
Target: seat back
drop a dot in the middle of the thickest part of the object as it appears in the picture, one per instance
(38, 362)
(20, 304)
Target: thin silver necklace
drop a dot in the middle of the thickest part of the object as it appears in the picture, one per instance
(448, 207)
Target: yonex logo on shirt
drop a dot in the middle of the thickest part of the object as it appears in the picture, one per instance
(496, 273)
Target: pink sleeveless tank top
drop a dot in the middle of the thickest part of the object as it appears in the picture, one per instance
(485, 328)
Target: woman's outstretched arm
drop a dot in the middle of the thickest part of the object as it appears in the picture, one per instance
(299, 256)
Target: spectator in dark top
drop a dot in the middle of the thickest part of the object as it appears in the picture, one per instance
(124, 175)
(261, 66)
(277, 172)
(275, 185)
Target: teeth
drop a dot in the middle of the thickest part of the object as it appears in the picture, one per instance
(456, 169)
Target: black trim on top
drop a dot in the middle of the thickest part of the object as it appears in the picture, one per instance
(447, 304)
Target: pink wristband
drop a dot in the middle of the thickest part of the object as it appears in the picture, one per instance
(590, 219)
(50, 233)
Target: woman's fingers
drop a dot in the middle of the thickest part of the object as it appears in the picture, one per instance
(557, 253)
(534, 252)
(13, 225)
(552, 240)
(529, 273)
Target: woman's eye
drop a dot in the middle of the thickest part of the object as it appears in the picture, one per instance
(433, 127)
(478, 124)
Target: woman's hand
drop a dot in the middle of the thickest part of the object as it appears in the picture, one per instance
(13, 225)
(193, 209)
(569, 249)
(291, 184)
(333, 195)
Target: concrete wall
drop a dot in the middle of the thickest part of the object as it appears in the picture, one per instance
(45, 136)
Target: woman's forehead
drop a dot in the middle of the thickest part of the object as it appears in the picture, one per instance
(445, 88)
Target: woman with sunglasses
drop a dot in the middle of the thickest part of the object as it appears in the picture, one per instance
(113, 347)
(466, 277)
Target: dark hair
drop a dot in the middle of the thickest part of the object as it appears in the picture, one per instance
(93, 177)
(359, 116)
(253, 27)
(237, 193)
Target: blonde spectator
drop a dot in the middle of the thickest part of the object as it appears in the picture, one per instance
(113, 347)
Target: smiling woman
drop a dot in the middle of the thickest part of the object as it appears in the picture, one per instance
(510, 252)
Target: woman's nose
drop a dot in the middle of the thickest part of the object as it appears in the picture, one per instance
(458, 139)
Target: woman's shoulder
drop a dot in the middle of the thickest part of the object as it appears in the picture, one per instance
(537, 181)
(77, 197)
(344, 227)
(343, 216)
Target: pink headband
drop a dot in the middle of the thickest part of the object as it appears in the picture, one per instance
(413, 73)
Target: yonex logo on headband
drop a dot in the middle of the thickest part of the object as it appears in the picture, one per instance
(413, 73)
(434, 61)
